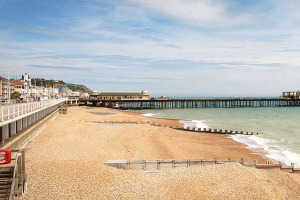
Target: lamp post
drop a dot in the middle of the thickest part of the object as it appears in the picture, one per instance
(8, 84)
(35, 89)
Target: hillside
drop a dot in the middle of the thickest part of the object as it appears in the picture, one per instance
(59, 84)
(76, 87)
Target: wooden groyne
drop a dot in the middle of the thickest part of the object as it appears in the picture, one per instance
(63, 109)
(162, 165)
(219, 131)
(193, 103)
(203, 130)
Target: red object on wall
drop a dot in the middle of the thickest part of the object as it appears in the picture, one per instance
(5, 156)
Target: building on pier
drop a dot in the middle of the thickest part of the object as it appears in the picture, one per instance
(144, 95)
(93, 95)
(291, 95)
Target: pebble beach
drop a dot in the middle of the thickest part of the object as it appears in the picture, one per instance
(66, 161)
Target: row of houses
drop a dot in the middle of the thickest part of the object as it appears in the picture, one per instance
(28, 90)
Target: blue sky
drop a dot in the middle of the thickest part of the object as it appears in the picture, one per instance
(169, 47)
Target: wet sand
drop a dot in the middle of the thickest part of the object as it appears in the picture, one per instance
(65, 161)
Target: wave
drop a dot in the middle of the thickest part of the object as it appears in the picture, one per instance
(276, 149)
(149, 114)
(195, 124)
(273, 148)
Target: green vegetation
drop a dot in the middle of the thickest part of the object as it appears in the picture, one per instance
(15, 95)
(59, 84)
(75, 87)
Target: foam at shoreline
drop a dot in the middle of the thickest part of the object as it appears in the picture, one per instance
(194, 124)
(272, 147)
(149, 115)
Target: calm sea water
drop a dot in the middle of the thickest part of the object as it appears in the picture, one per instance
(280, 127)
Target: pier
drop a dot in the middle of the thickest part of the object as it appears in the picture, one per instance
(193, 103)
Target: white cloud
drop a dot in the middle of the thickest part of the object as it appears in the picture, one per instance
(199, 12)
(134, 42)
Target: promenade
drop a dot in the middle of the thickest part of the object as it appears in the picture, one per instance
(12, 111)
(65, 161)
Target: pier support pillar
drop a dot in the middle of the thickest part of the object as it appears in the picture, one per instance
(40, 115)
(24, 122)
(29, 120)
(32, 118)
(19, 125)
(13, 128)
(5, 134)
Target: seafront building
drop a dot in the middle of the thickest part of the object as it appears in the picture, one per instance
(144, 95)
(27, 82)
(31, 91)
(19, 86)
(7, 87)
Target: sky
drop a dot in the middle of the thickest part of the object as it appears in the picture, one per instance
(196, 48)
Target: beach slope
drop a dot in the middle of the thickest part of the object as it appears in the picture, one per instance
(66, 161)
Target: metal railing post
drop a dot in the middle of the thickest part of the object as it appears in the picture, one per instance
(13, 111)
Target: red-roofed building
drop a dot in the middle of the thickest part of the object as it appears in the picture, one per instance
(19, 85)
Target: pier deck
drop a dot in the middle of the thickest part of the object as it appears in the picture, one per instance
(194, 103)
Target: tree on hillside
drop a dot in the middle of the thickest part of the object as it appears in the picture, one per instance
(15, 95)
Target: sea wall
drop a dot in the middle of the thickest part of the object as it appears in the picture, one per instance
(15, 131)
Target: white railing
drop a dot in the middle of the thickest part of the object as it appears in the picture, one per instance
(16, 110)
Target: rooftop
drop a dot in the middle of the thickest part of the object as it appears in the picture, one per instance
(119, 94)
(19, 83)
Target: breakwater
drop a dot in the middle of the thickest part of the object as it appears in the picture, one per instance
(186, 128)
(162, 165)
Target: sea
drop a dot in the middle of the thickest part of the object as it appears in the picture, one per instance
(278, 127)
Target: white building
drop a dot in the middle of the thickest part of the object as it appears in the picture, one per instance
(27, 85)
(75, 93)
